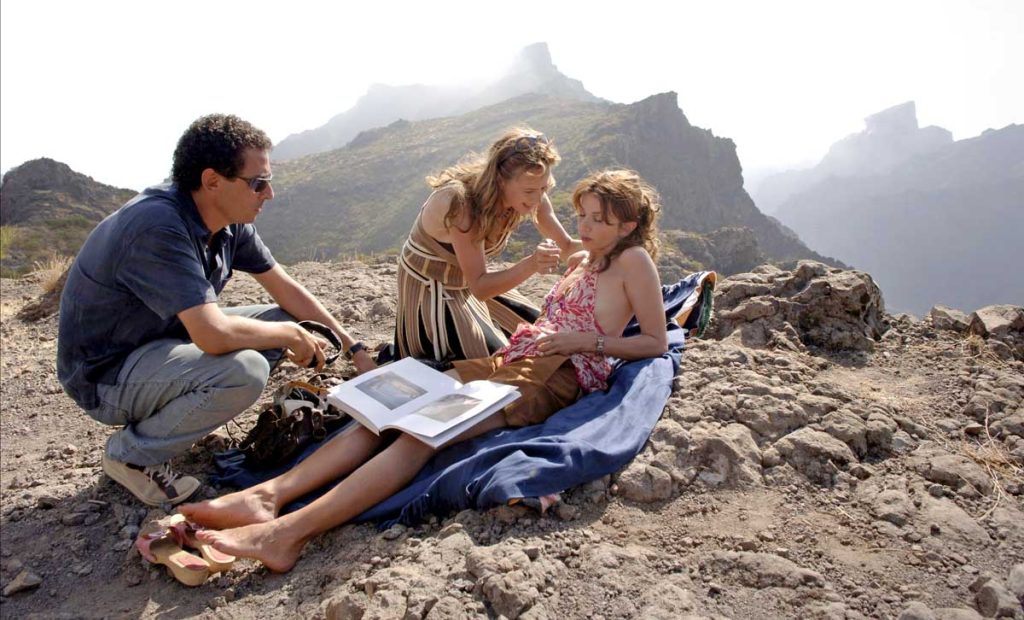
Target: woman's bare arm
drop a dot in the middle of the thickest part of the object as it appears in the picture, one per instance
(549, 226)
(643, 292)
(469, 252)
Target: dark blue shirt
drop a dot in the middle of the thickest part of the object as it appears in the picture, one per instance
(139, 268)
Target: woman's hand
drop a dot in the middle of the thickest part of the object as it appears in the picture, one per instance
(565, 343)
(545, 257)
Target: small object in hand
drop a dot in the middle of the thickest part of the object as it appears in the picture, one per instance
(551, 244)
(328, 333)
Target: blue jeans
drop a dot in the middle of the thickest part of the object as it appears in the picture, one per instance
(169, 394)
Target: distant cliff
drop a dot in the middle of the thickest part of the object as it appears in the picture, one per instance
(48, 208)
(934, 221)
(532, 72)
(890, 137)
(363, 198)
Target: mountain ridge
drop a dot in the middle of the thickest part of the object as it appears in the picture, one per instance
(532, 71)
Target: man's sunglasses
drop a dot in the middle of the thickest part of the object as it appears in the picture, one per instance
(257, 184)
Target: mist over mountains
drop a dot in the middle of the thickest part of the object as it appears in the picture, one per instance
(532, 72)
(364, 197)
(932, 219)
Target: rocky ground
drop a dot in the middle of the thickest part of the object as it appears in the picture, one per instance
(818, 458)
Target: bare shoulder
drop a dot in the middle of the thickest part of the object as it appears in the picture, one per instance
(634, 260)
(435, 209)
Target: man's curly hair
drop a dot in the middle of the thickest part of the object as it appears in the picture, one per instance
(217, 141)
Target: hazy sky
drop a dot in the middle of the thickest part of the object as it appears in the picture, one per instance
(107, 87)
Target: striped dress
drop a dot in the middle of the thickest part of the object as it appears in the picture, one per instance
(437, 316)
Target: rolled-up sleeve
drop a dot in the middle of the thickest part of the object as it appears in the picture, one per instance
(162, 270)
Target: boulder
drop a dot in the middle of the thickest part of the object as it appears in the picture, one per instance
(951, 319)
(1015, 581)
(917, 611)
(956, 613)
(643, 483)
(995, 601)
(727, 456)
(893, 506)
(763, 570)
(817, 455)
(812, 305)
(954, 525)
(952, 470)
(849, 428)
(997, 321)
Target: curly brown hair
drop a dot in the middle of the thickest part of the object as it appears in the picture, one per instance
(474, 181)
(624, 194)
(216, 141)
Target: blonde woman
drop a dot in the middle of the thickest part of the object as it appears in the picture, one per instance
(451, 304)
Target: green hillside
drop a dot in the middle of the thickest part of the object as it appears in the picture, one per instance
(363, 198)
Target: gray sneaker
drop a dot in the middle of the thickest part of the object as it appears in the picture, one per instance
(153, 485)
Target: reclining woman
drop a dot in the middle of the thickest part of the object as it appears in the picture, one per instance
(450, 305)
(551, 361)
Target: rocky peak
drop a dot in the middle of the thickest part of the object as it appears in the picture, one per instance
(42, 188)
(536, 57)
(890, 138)
(898, 119)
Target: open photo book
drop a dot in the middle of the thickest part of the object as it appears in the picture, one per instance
(418, 400)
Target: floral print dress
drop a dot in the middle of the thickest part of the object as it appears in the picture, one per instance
(572, 310)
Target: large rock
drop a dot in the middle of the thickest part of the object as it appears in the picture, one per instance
(954, 524)
(948, 319)
(813, 305)
(763, 570)
(952, 470)
(893, 506)
(726, 456)
(817, 455)
(997, 321)
(995, 601)
(1015, 581)
(1003, 326)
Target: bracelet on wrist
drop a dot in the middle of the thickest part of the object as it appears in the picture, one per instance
(355, 348)
(599, 347)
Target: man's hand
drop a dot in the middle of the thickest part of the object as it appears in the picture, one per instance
(305, 348)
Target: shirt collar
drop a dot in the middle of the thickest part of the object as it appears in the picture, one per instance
(195, 221)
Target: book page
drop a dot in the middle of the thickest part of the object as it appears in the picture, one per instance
(466, 403)
(388, 393)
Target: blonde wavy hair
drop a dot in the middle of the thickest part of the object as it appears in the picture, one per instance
(624, 194)
(474, 181)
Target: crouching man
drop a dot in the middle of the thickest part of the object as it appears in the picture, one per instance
(142, 341)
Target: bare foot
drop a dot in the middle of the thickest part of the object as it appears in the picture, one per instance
(246, 507)
(266, 542)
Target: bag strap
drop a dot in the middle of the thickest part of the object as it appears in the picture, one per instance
(328, 333)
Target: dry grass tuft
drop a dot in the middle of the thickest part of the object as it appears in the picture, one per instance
(49, 271)
(993, 456)
(7, 236)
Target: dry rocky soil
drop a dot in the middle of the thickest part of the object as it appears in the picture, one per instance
(818, 458)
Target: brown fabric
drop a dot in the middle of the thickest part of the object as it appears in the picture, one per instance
(546, 384)
(431, 285)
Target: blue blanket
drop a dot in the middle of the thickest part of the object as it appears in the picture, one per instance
(595, 436)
